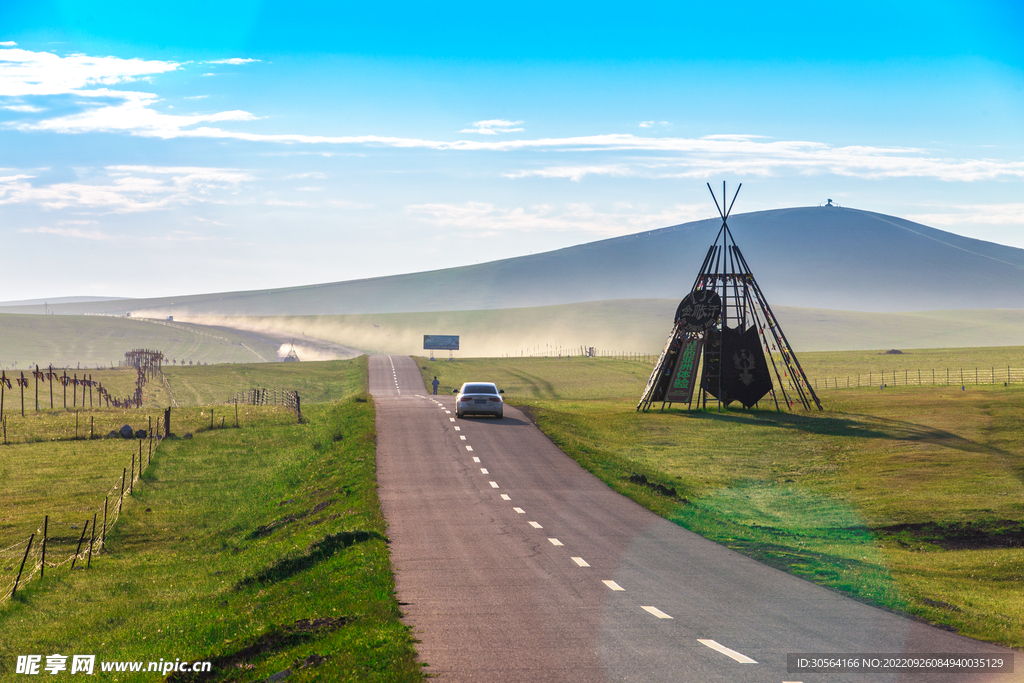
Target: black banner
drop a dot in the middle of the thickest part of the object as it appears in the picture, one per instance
(741, 365)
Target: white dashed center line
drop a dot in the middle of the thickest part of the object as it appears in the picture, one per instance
(462, 436)
(555, 541)
(476, 459)
(535, 525)
(494, 484)
(656, 612)
(505, 496)
(741, 658)
(483, 470)
(614, 586)
(452, 419)
(520, 510)
(580, 561)
(448, 412)
(458, 429)
(469, 448)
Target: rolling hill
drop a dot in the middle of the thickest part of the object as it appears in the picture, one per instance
(816, 257)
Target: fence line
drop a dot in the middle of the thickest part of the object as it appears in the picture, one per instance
(920, 377)
(37, 557)
(265, 397)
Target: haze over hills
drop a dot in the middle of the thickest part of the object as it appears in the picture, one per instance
(815, 257)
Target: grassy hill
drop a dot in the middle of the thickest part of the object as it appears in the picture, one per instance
(815, 257)
(92, 341)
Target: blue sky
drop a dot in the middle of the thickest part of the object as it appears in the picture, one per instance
(166, 148)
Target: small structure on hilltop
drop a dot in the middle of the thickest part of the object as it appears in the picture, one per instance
(726, 342)
(291, 356)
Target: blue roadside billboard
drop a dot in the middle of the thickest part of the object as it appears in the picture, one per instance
(441, 342)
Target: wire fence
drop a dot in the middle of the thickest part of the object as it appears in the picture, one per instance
(931, 377)
(269, 397)
(57, 543)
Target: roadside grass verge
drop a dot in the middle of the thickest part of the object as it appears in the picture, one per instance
(908, 498)
(259, 549)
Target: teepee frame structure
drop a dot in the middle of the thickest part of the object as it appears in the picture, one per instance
(724, 311)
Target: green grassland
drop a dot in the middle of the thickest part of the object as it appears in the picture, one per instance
(260, 548)
(316, 382)
(909, 498)
(92, 341)
(632, 325)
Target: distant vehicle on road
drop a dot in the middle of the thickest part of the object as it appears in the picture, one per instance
(479, 398)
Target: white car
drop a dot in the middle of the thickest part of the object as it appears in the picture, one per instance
(479, 398)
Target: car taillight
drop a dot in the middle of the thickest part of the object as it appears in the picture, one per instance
(465, 398)
(496, 400)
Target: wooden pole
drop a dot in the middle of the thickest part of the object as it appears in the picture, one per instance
(131, 479)
(120, 501)
(21, 385)
(80, 539)
(103, 535)
(37, 376)
(42, 563)
(92, 540)
(13, 590)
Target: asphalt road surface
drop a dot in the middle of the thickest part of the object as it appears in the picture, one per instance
(513, 563)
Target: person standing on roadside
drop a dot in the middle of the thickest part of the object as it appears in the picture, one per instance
(435, 384)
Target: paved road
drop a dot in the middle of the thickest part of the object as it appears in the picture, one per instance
(515, 564)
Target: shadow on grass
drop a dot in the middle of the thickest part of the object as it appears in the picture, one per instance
(318, 552)
(982, 534)
(851, 425)
(302, 631)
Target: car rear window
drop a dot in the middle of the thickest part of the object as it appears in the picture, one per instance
(479, 389)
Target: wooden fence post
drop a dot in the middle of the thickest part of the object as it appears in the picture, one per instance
(103, 534)
(13, 590)
(92, 540)
(120, 501)
(42, 563)
(131, 479)
(80, 539)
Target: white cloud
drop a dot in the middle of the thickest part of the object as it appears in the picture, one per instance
(647, 124)
(493, 127)
(311, 174)
(481, 218)
(233, 60)
(95, 235)
(126, 189)
(8, 43)
(195, 97)
(25, 74)
(25, 108)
